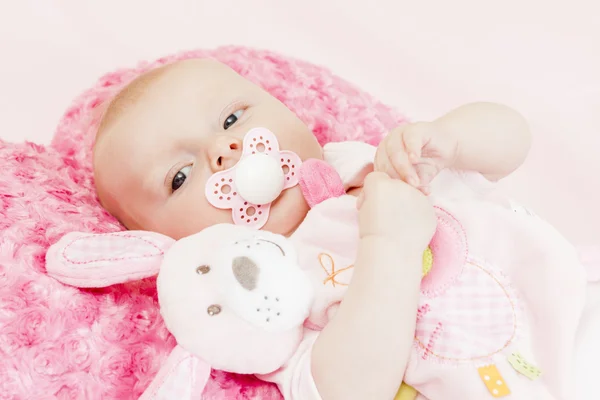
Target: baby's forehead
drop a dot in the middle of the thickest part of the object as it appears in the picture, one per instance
(156, 103)
(163, 81)
(199, 71)
(159, 97)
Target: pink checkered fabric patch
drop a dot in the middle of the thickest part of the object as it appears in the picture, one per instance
(118, 246)
(474, 319)
(99, 260)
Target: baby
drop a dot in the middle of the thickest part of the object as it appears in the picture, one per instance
(170, 130)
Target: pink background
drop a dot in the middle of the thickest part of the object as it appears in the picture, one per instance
(537, 56)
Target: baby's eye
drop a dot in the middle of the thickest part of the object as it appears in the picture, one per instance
(232, 119)
(180, 177)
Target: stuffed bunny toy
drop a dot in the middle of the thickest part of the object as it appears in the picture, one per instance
(233, 297)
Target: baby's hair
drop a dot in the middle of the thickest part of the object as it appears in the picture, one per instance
(127, 97)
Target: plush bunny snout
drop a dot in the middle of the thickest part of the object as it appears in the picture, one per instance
(236, 297)
(266, 288)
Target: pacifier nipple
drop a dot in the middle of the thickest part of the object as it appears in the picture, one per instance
(249, 187)
(259, 178)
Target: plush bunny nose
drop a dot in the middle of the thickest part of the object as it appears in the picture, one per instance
(246, 272)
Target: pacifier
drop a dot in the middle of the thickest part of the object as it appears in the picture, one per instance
(250, 186)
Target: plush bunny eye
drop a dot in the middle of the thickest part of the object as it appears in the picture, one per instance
(213, 310)
(203, 270)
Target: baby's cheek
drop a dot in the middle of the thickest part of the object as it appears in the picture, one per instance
(288, 212)
(189, 214)
(188, 222)
(296, 137)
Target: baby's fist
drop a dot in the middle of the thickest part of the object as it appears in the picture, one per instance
(393, 209)
(416, 153)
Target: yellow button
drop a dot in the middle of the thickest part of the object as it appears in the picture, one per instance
(493, 381)
(406, 393)
(427, 261)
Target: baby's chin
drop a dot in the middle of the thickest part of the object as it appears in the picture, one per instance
(287, 212)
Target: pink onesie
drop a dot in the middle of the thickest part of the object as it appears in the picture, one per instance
(498, 312)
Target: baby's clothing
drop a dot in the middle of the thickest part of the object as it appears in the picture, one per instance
(500, 306)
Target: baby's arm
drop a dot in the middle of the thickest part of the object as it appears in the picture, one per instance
(363, 352)
(487, 138)
(492, 139)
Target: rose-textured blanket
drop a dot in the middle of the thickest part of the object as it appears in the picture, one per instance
(58, 342)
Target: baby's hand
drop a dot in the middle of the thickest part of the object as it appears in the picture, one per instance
(416, 153)
(392, 209)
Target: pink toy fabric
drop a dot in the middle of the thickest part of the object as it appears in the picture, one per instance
(488, 321)
(319, 181)
(211, 288)
(59, 342)
(259, 140)
(108, 259)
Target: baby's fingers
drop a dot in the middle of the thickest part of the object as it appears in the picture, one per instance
(426, 173)
(400, 161)
(414, 138)
(360, 200)
(383, 163)
(426, 190)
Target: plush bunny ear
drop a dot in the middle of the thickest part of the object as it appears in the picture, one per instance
(182, 377)
(100, 260)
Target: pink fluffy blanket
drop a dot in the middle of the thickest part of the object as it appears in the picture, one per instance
(57, 342)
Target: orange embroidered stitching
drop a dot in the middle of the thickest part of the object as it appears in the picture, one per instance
(331, 275)
(508, 342)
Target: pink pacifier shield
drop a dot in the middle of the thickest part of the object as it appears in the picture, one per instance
(223, 192)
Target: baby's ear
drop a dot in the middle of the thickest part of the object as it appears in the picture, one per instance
(183, 376)
(98, 260)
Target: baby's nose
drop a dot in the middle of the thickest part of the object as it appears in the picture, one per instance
(246, 272)
(224, 153)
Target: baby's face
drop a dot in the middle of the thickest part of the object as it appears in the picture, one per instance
(152, 161)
